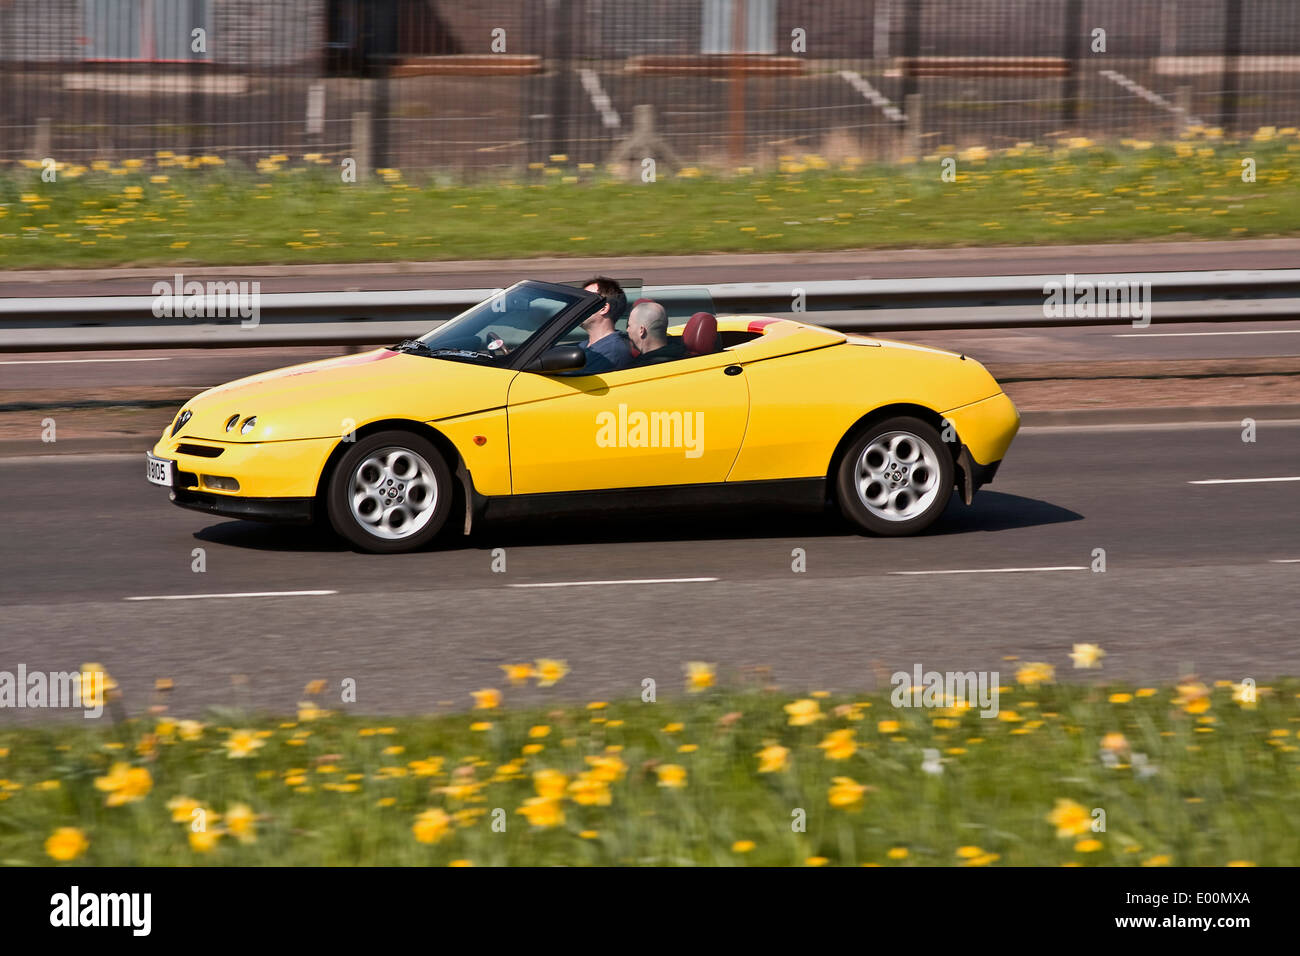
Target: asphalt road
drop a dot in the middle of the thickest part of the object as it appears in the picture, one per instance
(1194, 580)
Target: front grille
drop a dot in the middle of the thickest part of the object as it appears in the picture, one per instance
(199, 451)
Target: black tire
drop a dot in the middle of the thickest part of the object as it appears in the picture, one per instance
(408, 471)
(905, 498)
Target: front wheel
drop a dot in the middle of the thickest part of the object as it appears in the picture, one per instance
(896, 477)
(390, 492)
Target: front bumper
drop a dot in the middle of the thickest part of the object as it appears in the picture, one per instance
(277, 480)
(273, 469)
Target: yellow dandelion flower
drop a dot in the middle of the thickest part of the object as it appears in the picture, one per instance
(204, 841)
(124, 784)
(66, 843)
(431, 825)
(1087, 655)
(773, 758)
(550, 672)
(699, 676)
(671, 775)
(242, 743)
(487, 699)
(542, 812)
(804, 712)
(1035, 672)
(517, 674)
(839, 745)
(1069, 818)
(845, 792)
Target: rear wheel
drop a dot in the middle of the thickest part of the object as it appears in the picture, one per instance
(896, 477)
(391, 492)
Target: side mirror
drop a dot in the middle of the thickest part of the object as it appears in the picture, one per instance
(561, 358)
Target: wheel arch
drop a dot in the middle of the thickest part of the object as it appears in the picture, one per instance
(923, 412)
(445, 446)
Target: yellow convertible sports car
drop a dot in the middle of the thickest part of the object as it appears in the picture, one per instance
(491, 413)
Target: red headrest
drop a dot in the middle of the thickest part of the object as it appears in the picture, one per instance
(701, 334)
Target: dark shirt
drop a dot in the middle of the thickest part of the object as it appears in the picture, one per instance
(671, 352)
(609, 354)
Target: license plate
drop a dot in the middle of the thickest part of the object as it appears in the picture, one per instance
(158, 470)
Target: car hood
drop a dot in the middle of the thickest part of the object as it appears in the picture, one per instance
(331, 397)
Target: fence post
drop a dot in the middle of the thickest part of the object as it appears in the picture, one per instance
(911, 46)
(880, 30)
(41, 141)
(1231, 50)
(361, 145)
(912, 145)
(1073, 37)
(1182, 110)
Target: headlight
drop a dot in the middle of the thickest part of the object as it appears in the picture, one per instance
(230, 423)
(181, 419)
(249, 424)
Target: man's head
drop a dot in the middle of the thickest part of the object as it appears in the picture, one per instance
(615, 304)
(647, 326)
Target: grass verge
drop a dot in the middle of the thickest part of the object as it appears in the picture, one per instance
(171, 213)
(1187, 775)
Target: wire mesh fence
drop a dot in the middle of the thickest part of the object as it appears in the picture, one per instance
(490, 85)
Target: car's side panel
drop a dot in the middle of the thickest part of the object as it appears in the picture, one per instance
(676, 423)
(484, 444)
(802, 405)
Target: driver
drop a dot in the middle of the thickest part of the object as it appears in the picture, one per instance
(607, 349)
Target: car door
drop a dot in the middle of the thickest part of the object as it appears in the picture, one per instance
(675, 423)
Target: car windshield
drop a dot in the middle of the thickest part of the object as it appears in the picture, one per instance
(496, 327)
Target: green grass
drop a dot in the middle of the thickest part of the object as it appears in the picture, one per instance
(303, 213)
(1224, 787)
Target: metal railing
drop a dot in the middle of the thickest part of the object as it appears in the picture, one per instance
(863, 305)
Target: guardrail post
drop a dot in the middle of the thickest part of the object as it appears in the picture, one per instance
(1182, 109)
(361, 144)
(41, 141)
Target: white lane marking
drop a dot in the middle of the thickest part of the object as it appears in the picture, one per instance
(599, 98)
(1137, 89)
(1285, 561)
(242, 594)
(1174, 335)
(871, 94)
(581, 584)
(82, 361)
(1063, 567)
(1239, 481)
